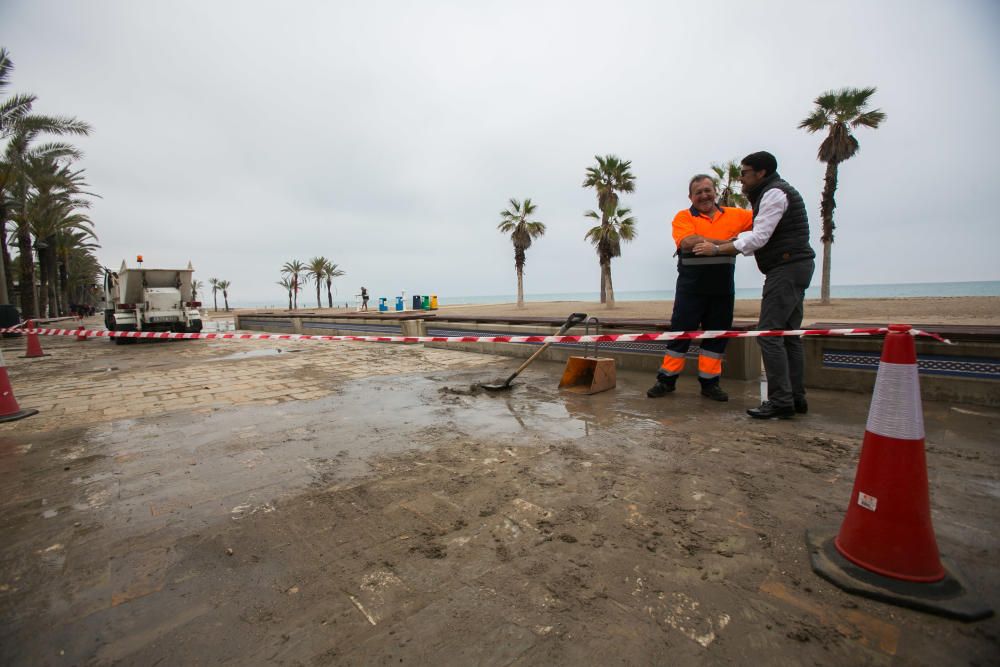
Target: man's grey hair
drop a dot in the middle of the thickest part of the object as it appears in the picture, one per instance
(699, 177)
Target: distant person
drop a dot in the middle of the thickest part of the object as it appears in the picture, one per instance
(364, 299)
(705, 287)
(779, 241)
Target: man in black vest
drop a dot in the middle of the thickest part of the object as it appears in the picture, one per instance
(779, 241)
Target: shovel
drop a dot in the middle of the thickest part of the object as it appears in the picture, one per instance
(571, 321)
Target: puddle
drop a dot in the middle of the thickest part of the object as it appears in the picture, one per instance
(250, 354)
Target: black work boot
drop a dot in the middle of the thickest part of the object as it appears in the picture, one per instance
(661, 388)
(713, 391)
(769, 410)
(801, 406)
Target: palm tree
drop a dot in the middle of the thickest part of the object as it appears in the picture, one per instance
(607, 238)
(224, 286)
(727, 183)
(316, 271)
(609, 177)
(286, 282)
(514, 221)
(50, 212)
(20, 128)
(294, 269)
(330, 272)
(838, 111)
(214, 284)
(196, 286)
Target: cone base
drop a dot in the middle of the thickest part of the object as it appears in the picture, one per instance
(35, 356)
(20, 414)
(949, 597)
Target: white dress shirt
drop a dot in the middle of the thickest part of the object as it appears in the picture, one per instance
(772, 206)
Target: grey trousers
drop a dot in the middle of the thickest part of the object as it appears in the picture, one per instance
(781, 308)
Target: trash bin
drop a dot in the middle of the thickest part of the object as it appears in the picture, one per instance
(426, 305)
(8, 318)
(434, 301)
(382, 306)
(416, 302)
(399, 303)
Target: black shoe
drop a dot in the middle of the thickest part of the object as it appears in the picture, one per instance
(801, 406)
(768, 410)
(714, 392)
(660, 389)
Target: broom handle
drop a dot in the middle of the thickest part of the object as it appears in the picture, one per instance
(573, 320)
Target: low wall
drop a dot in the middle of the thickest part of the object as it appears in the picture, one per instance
(966, 372)
(742, 356)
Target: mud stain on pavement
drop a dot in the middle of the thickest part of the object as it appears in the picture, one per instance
(402, 518)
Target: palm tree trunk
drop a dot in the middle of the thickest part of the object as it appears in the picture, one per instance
(329, 294)
(604, 281)
(289, 299)
(295, 289)
(606, 272)
(827, 204)
(520, 287)
(6, 280)
(225, 298)
(319, 299)
(215, 300)
(64, 282)
(29, 307)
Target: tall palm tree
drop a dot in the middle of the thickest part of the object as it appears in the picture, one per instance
(286, 282)
(839, 112)
(727, 184)
(224, 286)
(50, 212)
(330, 272)
(514, 221)
(196, 286)
(316, 271)
(294, 269)
(20, 128)
(214, 284)
(609, 177)
(607, 237)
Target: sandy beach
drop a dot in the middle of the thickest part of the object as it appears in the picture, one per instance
(982, 310)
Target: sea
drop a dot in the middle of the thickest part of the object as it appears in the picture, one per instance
(883, 291)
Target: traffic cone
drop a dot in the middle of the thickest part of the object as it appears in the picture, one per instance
(81, 336)
(886, 548)
(9, 409)
(34, 348)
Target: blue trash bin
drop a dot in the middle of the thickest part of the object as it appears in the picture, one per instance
(382, 306)
(399, 303)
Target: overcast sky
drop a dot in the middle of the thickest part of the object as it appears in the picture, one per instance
(387, 136)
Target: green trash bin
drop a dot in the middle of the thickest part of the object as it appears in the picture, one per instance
(427, 302)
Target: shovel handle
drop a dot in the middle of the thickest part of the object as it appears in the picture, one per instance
(571, 321)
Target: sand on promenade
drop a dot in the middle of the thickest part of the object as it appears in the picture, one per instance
(983, 310)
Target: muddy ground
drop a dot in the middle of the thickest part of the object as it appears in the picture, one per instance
(390, 516)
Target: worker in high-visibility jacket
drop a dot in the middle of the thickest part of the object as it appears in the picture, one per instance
(705, 287)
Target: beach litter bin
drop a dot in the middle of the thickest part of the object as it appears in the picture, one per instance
(434, 301)
(416, 302)
(427, 303)
(399, 303)
(382, 306)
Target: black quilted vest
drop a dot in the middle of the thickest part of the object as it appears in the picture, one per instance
(790, 240)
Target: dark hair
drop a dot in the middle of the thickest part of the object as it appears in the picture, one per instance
(761, 161)
(699, 177)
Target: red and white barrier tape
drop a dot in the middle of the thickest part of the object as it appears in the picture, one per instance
(602, 338)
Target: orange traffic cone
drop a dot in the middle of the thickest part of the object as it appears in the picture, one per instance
(34, 348)
(81, 336)
(9, 409)
(886, 548)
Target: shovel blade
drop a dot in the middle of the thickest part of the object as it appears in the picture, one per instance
(588, 375)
